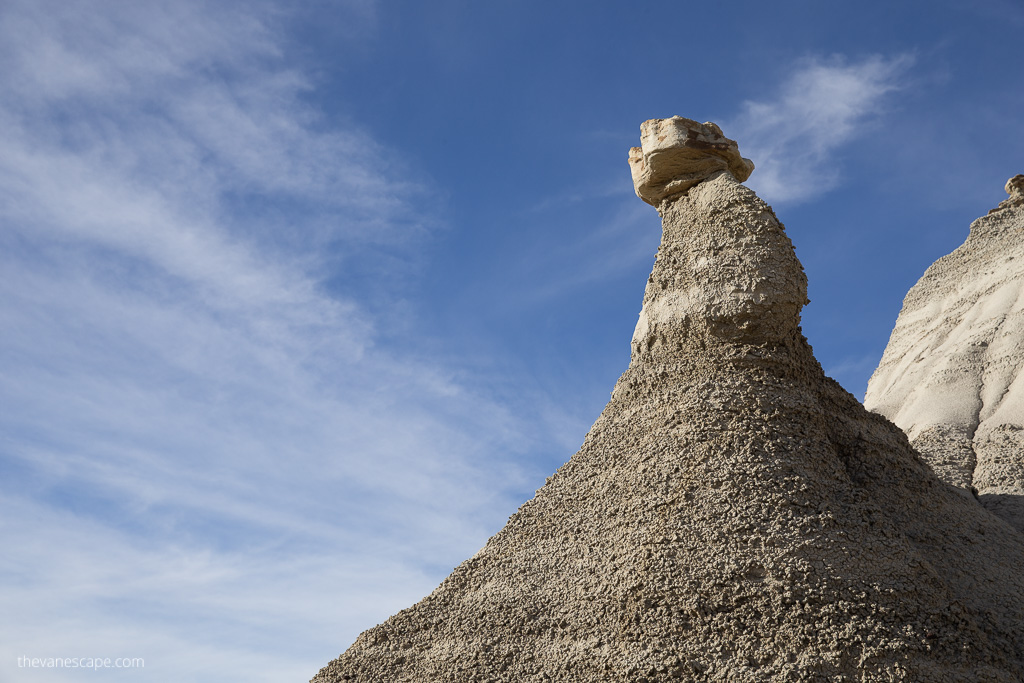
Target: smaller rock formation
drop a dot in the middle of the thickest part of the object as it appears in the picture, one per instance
(677, 153)
(951, 374)
(1015, 188)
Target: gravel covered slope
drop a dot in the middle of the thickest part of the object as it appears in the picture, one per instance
(733, 514)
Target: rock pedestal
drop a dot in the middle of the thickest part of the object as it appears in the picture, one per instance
(733, 514)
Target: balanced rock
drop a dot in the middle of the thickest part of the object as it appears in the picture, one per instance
(733, 514)
(675, 154)
(951, 375)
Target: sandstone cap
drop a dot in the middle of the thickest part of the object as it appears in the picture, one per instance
(677, 153)
(1015, 186)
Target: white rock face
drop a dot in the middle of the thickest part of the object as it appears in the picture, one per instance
(951, 376)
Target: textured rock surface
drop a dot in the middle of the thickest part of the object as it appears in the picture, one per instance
(733, 514)
(951, 374)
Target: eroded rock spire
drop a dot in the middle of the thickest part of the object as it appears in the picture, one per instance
(733, 514)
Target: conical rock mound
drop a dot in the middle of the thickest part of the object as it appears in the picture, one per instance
(951, 375)
(733, 515)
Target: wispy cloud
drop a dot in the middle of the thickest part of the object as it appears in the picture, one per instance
(821, 106)
(625, 237)
(205, 448)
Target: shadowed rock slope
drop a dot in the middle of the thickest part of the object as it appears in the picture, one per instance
(951, 374)
(733, 514)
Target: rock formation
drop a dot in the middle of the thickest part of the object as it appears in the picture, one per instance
(733, 514)
(951, 374)
(675, 154)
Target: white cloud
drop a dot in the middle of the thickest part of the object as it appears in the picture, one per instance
(821, 106)
(625, 237)
(209, 459)
(253, 612)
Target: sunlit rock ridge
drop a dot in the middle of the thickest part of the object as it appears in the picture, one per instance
(733, 514)
(952, 376)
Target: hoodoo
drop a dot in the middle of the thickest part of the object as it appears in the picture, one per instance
(951, 375)
(733, 514)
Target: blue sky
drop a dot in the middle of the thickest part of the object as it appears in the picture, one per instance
(301, 300)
